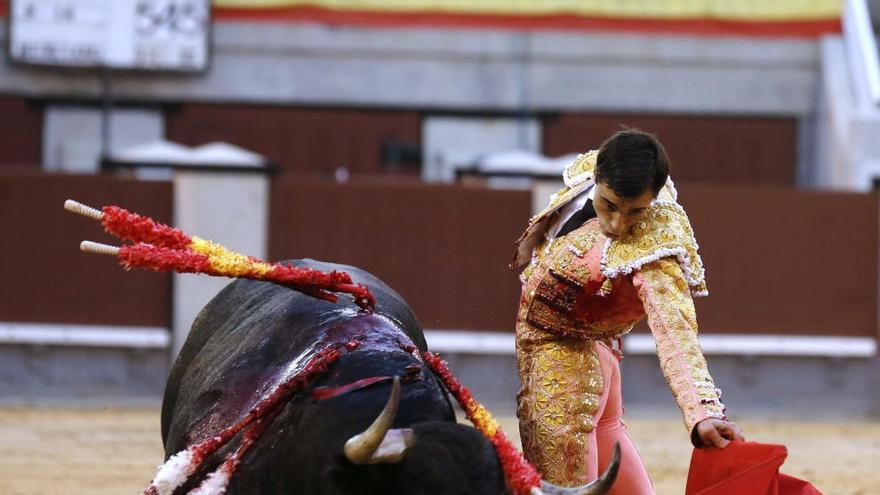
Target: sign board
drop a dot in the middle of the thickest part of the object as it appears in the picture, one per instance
(162, 35)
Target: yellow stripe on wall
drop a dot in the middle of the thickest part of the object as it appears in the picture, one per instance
(747, 10)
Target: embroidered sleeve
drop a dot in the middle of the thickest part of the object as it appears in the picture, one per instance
(665, 294)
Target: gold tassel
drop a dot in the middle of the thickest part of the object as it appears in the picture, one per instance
(606, 287)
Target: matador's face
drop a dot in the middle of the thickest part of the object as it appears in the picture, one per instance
(616, 213)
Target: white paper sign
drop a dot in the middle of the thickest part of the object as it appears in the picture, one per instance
(120, 34)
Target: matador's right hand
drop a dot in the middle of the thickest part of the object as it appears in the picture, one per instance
(713, 432)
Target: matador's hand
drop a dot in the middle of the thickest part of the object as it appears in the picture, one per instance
(714, 432)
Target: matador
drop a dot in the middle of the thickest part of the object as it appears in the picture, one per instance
(585, 283)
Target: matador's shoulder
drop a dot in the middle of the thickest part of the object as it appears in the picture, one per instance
(581, 169)
(577, 177)
(665, 231)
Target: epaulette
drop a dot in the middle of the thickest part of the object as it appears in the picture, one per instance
(665, 231)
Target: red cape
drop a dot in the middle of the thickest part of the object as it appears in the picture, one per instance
(743, 468)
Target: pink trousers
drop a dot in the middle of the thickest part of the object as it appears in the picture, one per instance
(632, 479)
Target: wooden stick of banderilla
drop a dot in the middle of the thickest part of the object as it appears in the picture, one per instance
(84, 210)
(94, 214)
(98, 248)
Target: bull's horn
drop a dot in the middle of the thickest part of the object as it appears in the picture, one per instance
(598, 487)
(360, 448)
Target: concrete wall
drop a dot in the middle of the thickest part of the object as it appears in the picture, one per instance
(847, 147)
(82, 376)
(809, 388)
(474, 71)
(470, 69)
(73, 135)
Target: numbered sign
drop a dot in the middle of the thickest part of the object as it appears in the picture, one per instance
(167, 35)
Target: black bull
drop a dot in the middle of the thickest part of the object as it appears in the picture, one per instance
(253, 335)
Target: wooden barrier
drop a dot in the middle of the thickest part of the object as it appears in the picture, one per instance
(786, 261)
(43, 275)
(445, 249)
(21, 133)
(717, 149)
(779, 261)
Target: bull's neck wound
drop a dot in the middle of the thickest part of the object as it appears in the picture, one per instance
(179, 467)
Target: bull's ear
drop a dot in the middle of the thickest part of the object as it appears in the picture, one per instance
(394, 446)
(379, 443)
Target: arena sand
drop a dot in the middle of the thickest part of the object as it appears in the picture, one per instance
(48, 451)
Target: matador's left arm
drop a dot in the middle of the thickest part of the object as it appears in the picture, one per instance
(666, 297)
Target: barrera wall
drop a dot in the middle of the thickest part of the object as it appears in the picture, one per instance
(779, 260)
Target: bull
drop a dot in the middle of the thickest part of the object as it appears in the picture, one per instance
(377, 421)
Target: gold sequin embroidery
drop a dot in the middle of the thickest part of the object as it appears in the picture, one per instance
(562, 387)
(666, 231)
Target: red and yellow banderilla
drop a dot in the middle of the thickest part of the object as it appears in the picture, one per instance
(161, 248)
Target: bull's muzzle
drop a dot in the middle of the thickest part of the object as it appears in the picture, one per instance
(599, 487)
(379, 443)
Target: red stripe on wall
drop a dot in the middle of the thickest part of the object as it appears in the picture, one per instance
(705, 27)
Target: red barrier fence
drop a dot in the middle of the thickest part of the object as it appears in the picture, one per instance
(318, 140)
(443, 248)
(701, 148)
(43, 275)
(779, 260)
(786, 261)
(21, 133)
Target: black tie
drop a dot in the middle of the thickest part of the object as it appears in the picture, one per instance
(578, 219)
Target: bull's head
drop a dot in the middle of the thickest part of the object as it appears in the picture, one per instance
(382, 445)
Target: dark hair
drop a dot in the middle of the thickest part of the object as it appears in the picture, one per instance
(631, 162)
